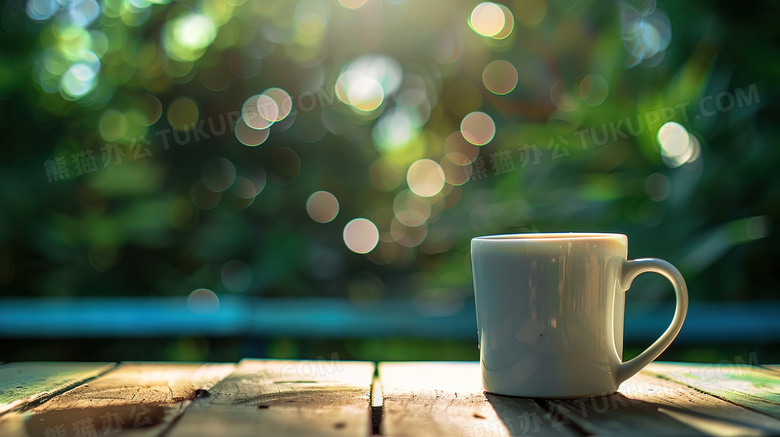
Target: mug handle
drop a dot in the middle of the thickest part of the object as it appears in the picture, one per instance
(630, 270)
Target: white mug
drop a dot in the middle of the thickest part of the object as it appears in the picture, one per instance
(550, 312)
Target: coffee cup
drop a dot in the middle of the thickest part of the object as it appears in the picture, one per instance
(550, 312)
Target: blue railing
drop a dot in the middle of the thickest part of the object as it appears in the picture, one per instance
(342, 318)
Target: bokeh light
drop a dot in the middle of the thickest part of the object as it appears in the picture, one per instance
(478, 128)
(78, 80)
(83, 13)
(459, 151)
(203, 301)
(492, 20)
(322, 207)
(425, 178)
(365, 94)
(40, 10)
(353, 4)
(186, 37)
(248, 136)
(267, 109)
(677, 145)
(250, 112)
(509, 23)
(673, 138)
(408, 236)
(244, 188)
(394, 130)
(455, 174)
(410, 209)
(365, 82)
(283, 103)
(361, 235)
(243, 193)
(487, 19)
(499, 77)
(647, 33)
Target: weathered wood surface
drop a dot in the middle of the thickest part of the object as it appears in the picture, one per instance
(332, 397)
(435, 399)
(133, 399)
(447, 399)
(707, 412)
(275, 398)
(630, 411)
(617, 415)
(23, 383)
(643, 401)
(750, 386)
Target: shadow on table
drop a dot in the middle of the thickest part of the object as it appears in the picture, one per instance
(611, 414)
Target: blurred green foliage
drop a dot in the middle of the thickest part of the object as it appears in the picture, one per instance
(151, 225)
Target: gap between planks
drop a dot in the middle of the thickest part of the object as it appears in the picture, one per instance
(139, 399)
(376, 405)
(663, 390)
(279, 397)
(26, 384)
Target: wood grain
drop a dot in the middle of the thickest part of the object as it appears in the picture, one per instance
(280, 398)
(23, 383)
(749, 386)
(133, 399)
(652, 403)
(660, 388)
(446, 398)
(332, 397)
(700, 410)
(630, 412)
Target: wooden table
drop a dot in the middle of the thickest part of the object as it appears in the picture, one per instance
(332, 397)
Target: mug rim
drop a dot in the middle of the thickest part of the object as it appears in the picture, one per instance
(551, 236)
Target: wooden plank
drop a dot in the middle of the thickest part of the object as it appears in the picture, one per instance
(276, 398)
(446, 398)
(700, 410)
(749, 386)
(26, 382)
(654, 402)
(139, 399)
(632, 412)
